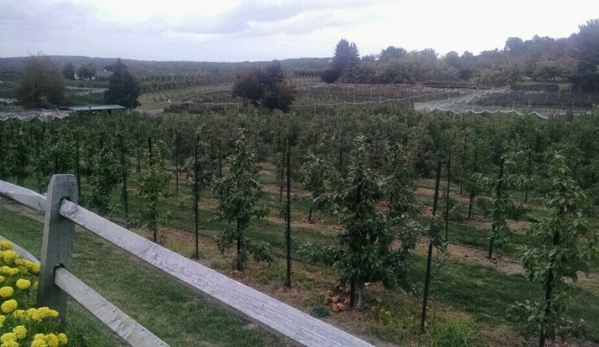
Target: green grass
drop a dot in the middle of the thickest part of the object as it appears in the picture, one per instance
(175, 313)
(471, 300)
(487, 293)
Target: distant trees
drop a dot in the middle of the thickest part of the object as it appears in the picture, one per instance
(346, 60)
(268, 87)
(123, 88)
(68, 71)
(392, 53)
(587, 48)
(87, 71)
(574, 59)
(42, 84)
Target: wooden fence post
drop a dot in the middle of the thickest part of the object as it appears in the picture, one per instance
(57, 244)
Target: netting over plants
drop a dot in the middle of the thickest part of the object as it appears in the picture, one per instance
(506, 100)
(26, 115)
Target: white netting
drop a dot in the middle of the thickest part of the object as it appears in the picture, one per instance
(463, 104)
(26, 115)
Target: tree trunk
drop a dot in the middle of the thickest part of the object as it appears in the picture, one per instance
(493, 225)
(548, 291)
(437, 182)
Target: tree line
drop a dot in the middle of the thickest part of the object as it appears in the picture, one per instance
(43, 84)
(544, 59)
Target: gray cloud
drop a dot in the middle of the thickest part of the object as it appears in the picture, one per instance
(240, 18)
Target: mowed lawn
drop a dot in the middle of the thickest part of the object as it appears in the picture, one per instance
(172, 311)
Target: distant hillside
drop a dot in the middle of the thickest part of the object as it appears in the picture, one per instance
(10, 68)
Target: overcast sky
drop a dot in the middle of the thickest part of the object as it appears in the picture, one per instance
(239, 30)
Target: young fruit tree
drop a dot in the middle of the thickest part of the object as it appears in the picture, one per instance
(239, 192)
(364, 253)
(568, 246)
(316, 171)
(501, 207)
(153, 183)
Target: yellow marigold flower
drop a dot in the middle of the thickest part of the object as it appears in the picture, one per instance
(9, 256)
(5, 292)
(39, 343)
(52, 340)
(35, 284)
(35, 268)
(7, 270)
(18, 313)
(34, 314)
(7, 337)
(20, 331)
(6, 245)
(62, 338)
(2, 319)
(39, 337)
(9, 305)
(23, 283)
(45, 312)
(1, 279)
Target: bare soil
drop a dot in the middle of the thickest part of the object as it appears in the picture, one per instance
(431, 192)
(274, 189)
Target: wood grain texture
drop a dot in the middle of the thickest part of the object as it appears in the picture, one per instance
(275, 316)
(118, 321)
(24, 196)
(57, 244)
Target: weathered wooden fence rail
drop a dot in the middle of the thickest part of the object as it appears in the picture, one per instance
(62, 210)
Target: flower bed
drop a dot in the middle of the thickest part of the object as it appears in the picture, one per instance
(21, 323)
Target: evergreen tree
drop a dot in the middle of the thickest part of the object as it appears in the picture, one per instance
(346, 60)
(123, 88)
(341, 56)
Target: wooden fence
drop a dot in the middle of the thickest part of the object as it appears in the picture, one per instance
(56, 283)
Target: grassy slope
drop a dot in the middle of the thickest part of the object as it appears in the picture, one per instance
(170, 310)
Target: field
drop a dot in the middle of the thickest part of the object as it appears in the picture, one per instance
(470, 295)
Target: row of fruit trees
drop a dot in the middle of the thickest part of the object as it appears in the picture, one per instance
(360, 168)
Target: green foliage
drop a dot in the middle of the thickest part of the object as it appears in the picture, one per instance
(330, 75)
(364, 253)
(568, 246)
(68, 71)
(153, 183)
(87, 71)
(123, 88)
(16, 158)
(501, 207)
(104, 171)
(346, 60)
(239, 192)
(42, 84)
(267, 87)
(316, 171)
(400, 186)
